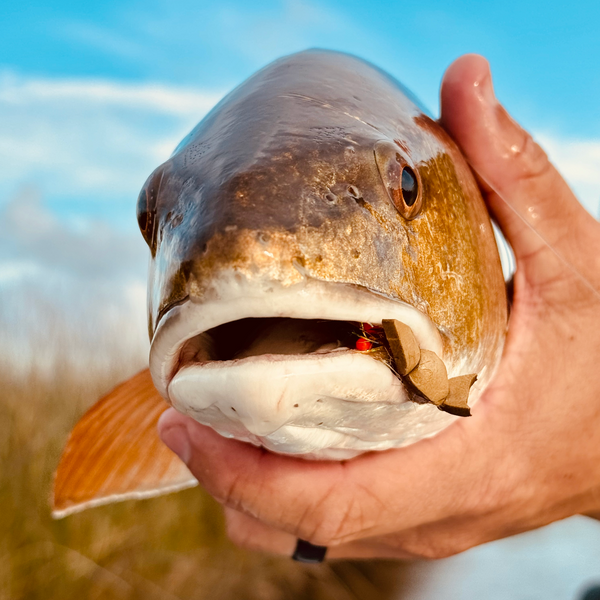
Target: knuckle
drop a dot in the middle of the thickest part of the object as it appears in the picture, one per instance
(439, 545)
(238, 536)
(227, 490)
(525, 162)
(242, 539)
(436, 551)
(529, 157)
(240, 532)
(320, 530)
(328, 524)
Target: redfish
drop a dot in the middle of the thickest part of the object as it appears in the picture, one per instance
(315, 202)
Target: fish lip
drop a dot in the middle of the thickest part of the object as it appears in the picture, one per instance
(237, 298)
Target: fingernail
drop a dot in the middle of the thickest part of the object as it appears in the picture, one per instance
(176, 439)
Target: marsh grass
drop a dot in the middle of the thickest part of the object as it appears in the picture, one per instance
(170, 547)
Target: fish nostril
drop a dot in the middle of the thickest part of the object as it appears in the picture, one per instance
(331, 197)
(353, 191)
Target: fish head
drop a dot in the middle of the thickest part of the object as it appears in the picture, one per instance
(315, 197)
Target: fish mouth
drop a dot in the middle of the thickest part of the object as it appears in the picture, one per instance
(277, 365)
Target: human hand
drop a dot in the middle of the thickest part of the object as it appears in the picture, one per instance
(531, 453)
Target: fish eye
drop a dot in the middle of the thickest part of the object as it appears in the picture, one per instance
(146, 209)
(401, 181)
(145, 217)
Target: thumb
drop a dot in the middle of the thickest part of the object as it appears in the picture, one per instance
(532, 203)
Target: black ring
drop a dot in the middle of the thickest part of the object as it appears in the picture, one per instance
(306, 552)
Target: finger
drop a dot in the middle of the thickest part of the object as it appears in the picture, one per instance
(249, 533)
(527, 195)
(330, 503)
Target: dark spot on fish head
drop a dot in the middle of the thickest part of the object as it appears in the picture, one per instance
(400, 178)
(318, 258)
(295, 406)
(194, 152)
(355, 254)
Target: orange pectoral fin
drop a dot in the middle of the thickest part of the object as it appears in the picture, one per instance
(114, 452)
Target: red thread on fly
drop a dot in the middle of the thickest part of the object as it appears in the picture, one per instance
(369, 336)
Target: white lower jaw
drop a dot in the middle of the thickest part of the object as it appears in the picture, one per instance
(333, 405)
(348, 402)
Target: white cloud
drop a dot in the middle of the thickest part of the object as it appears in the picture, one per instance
(579, 162)
(186, 102)
(90, 140)
(14, 271)
(69, 296)
(91, 250)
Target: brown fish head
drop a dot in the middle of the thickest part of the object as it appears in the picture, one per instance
(315, 197)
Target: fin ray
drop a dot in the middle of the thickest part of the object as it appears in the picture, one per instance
(114, 452)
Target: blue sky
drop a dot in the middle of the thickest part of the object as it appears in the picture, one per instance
(94, 95)
(546, 51)
(545, 54)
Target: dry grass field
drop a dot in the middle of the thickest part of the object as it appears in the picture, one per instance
(170, 547)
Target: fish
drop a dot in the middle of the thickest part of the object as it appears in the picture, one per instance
(316, 201)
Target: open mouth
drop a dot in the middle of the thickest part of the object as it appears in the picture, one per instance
(311, 318)
(295, 369)
(248, 337)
